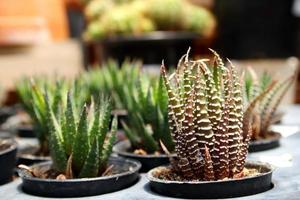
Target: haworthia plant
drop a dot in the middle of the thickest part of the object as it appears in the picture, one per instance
(264, 94)
(147, 114)
(143, 97)
(31, 92)
(205, 111)
(111, 78)
(80, 144)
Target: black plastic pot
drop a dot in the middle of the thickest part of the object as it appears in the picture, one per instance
(84, 186)
(7, 162)
(6, 112)
(148, 161)
(27, 151)
(265, 144)
(215, 189)
(27, 159)
(152, 47)
(26, 132)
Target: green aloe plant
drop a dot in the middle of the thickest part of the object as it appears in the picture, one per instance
(207, 121)
(31, 92)
(147, 108)
(270, 93)
(111, 78)
(80, 144)
(143, 97)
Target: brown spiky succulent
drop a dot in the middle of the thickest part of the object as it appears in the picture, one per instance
(206, 119)
(264, 95)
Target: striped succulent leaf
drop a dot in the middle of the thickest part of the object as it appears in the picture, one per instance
(262, 106)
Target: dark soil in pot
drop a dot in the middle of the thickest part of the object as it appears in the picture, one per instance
(8, 151)
(148, 162)
(271, 142)
(259, 180)
(124, 174)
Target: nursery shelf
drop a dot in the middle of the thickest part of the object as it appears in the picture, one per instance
(286, 177)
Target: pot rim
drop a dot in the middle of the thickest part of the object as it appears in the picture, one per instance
(270, 168)
(13, 146)
(33, 157)
(277, 137)
(23, 174)
(126, 153)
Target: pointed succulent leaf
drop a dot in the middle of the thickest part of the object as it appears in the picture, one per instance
(91, 165)
(81, 141)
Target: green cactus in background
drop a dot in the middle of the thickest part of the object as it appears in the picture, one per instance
(107, 18)
(198, 20)
(264, 94)
(31, 92)
(80, 144)
(167, 14)
(206, 120)
(94, 9)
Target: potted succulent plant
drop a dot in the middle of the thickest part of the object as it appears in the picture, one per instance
(144, 100)
(80, 147)
(8, 151)
(31, 92)
(211, 135)
(270, 93)
(147, 125)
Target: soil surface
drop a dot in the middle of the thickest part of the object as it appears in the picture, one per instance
(168, 174)
(47, 172)
(143, 152)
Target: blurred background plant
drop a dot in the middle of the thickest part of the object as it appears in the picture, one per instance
(270, 93)
(147, 123)
(110, 79)
(108, 18)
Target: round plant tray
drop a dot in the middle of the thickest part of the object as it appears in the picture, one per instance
(265, 144)
(215, 189)
(148, 161)
(84, 186)
(7, 163)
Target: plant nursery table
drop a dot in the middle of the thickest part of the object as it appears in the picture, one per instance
(286, 177)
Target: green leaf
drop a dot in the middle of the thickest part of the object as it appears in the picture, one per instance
(109, 145)
(91, 164)
(70, 125)
(56, 145)
(81, 142)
